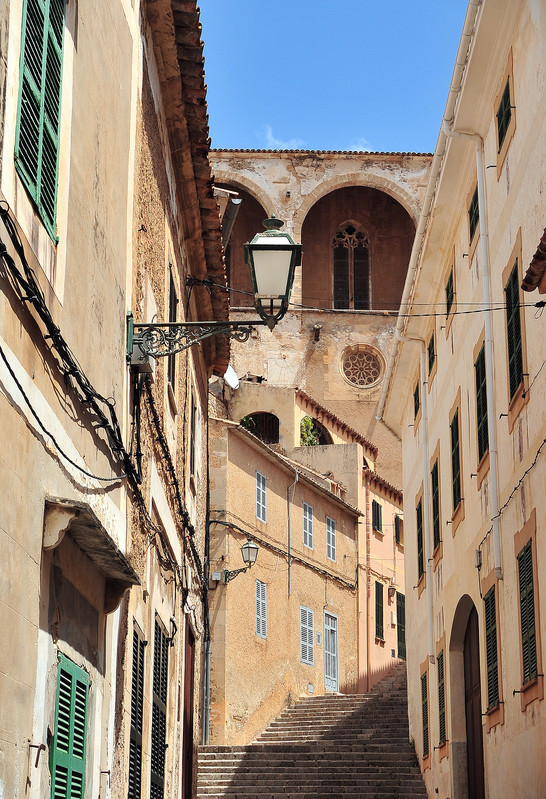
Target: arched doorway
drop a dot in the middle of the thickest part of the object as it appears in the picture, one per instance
(466, 703)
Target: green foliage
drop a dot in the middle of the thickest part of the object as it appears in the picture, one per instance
(248, 423)
(309, 434)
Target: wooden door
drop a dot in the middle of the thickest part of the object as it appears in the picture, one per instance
(473, 709)
(187, 741)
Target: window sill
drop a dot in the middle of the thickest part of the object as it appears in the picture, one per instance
(416, 421)
(520, 399)
(437, 555)
(457, 517)
(432, 373)
(425, 761)
(379, 641)
(172, 401)
(494, 716)
(421, 585)
(378, 534)
(532, 690)
(483, 469)
(400, 546)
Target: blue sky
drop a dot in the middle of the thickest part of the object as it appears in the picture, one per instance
(329, 74)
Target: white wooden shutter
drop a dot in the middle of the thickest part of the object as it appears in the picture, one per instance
(261, 609)
(307, 634)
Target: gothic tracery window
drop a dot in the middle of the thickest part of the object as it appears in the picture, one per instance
(351, 268)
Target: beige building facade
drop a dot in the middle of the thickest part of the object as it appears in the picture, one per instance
(331, 550)
(466, 393)
(106, 207)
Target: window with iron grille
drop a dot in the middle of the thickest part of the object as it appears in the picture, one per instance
(261, 497)
(473, 213)
(70, 739)
(420, 554)
(137, 709)
(379, 610)
(401, 624)
(450, 293)
(513, 330)
(398, 529)
(455, 461)
(481, 404)
(377, 516)
(431, 352)
(416, 400)
(159, 712)
(261, 609)
(504, 114)
(330, 538)
(441, 698)
(351, 269)
(435, 485)
(307, 525)
(491, 648)
(307, 636)
(527, 613)
(39, 108)
(424, 710)
(173, 304)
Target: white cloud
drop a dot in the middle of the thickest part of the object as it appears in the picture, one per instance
(361, 145)
(273, 143)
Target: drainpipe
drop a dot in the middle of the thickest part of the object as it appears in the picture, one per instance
(289, 501)
(486, 294)
(429, 547)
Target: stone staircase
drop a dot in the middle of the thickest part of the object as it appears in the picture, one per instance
(324, 746)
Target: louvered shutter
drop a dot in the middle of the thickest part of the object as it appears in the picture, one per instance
(491, 648)
(307, 627)
(261, 497)
(513, 331)
(307, 525)
(424, 709)
(441, 698)
(481, 404)
(159, 712)
(401, 624)
(330, 538)
(527, 613)
(69, 744)
(137, 707)
(261, 609)
(377, 516)
(455, 461)
(39, 112)
(420, 555)
(379, 610)
(450, 293)
(435, 504)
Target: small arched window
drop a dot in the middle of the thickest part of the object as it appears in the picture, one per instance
(351, 268)
(313, 433)
(264, 426)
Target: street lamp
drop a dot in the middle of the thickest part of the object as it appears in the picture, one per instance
(249, 553)
(272, 257)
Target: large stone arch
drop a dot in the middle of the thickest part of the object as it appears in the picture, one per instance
(244, 183)
(368, 179)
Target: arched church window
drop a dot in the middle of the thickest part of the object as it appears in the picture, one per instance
(351, 268)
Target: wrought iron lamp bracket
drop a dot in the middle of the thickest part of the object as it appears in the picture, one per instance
(231, 575)
(160, 339)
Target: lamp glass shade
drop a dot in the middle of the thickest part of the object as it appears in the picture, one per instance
(272, 257)
(249, 552)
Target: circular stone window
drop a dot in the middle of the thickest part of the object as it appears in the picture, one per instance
(362, 366)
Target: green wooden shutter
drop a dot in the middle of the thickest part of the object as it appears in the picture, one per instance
(513, 331)
(455, 461)
(431, 352)
(159, 712)
(491, 648)
(473, 213)
(416, 400)
(137, 708)
(401, 624)
(504, 114)
(527, 613)
(379, 610)
(435, 504)
(397, 530)
(377, 516)
(39, 111)
(441, 698)
(481, 404)
(424, 709)
(69, 743)
(449, 292)
(420, 555)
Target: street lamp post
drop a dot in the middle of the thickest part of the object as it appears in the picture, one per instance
(272, 257)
